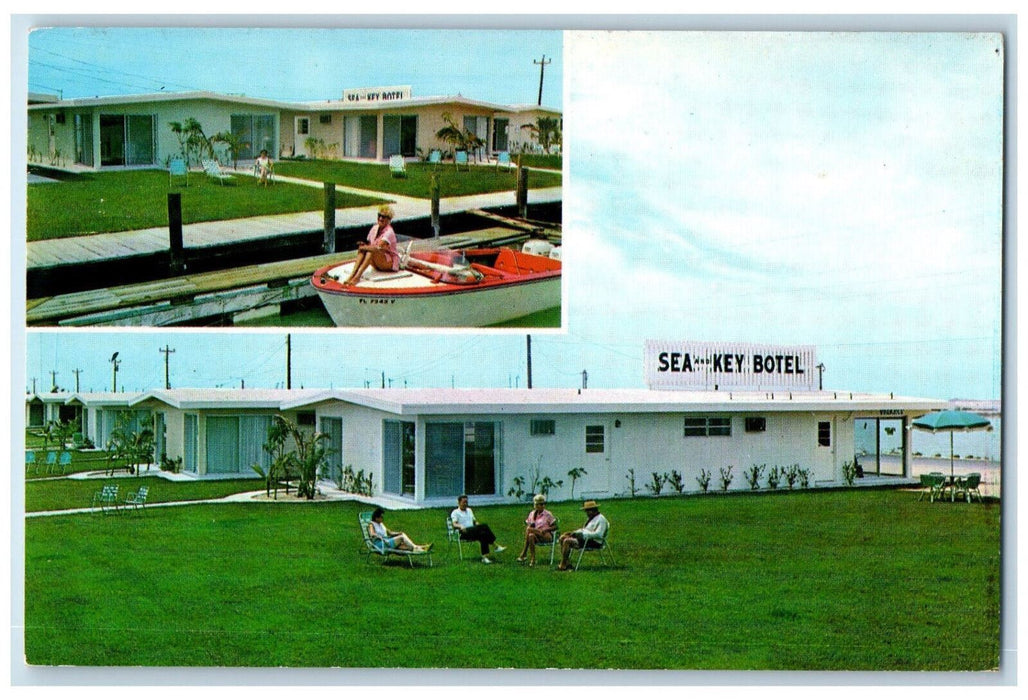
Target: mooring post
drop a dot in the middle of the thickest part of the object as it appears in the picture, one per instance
(176, 256)
(522, 191)
(434, 190)
(329, 243)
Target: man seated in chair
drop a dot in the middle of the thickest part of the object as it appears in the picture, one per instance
(463, 519)
(589, 535)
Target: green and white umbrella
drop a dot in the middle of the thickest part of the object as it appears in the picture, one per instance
(952, 422)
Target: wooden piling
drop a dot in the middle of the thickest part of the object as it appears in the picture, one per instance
(329, 243)
(176, 250)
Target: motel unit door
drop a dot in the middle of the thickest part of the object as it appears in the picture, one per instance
(595, 457)
(301, 131)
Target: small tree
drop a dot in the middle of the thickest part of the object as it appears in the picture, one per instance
(704, 480)
(192, 139)
(280, 459)
(233, 144)
(753, 475)
(726, 477)
(575, 474)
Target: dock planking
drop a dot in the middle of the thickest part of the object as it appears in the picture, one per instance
(183, 289)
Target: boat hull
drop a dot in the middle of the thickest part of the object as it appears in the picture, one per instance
(407, 299)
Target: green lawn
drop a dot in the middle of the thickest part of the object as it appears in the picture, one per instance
(852, 579)
(377, 177)
(138, 199)
(63, 494)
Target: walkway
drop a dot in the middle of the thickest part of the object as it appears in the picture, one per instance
(123, 244)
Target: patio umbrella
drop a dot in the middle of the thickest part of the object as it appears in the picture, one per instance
(952, 422)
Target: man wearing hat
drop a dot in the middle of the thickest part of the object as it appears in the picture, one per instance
(589, 535)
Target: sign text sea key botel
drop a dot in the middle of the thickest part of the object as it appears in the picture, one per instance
(672, 364)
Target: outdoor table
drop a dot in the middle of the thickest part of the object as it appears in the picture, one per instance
(954, 483)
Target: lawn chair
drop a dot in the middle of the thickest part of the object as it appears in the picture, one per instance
(138, 499)
(460, 158)
(177, 168)
(453, 537)
(603, 549)
(435, 156)
(30, 461)
(212, 168)
(397, 166)
(106, 499)
(51, 462)
(969, 486)
(553, 542)
(64, 462)
(270, 172)
(503, 158)
(373, 546)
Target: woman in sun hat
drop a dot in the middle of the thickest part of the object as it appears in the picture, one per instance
(540, 527)
(589, 535)
(379, 251)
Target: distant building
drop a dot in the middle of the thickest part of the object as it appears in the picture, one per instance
(371, 125)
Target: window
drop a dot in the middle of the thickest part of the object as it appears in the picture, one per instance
(543, 427)
(704, 426)
(305, 418)
(594, 438)
(325, 119)
(303, 126)
(824, 433)
(756, 424)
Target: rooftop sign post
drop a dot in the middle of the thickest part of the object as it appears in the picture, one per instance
(377, 94)
(674, 364)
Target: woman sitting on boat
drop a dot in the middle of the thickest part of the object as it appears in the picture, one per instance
(379, 251)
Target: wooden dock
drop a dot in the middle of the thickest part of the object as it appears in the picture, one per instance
(189, 298)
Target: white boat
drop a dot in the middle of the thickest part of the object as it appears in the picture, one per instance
(443, 288)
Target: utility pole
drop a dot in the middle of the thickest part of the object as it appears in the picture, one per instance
(820, 369)
(53, 380)
(33, 385)
(115, 363)
(289, 361)
(585, 379)
(77, 372)
(528, 338)
(167, 352)
(542, 69)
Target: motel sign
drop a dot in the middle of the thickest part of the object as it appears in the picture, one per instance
(672, 364)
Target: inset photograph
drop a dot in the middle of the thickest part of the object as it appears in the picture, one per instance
(294, 177)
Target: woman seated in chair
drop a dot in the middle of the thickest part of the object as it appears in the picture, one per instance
(540, 525)
(391, 539)
(264, 166)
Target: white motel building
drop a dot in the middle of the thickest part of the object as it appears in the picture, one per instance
(368, 124)
(706, 408)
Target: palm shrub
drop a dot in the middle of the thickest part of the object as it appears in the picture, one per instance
(704, 480)
(849, 472)
(676, 481)
(656, 483)
(753, 475)
(575, 474)
(774, 477)
(726, 477)
(275, 446)
(791, 474)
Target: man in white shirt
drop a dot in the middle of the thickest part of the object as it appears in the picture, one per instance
(590, 535)
(463, 519)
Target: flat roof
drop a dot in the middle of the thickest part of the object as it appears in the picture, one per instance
(309, 106)
(525, 401)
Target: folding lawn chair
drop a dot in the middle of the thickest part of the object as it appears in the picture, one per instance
(603, 549)
(374, 546)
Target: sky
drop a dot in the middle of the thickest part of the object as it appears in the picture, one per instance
(836, 190)
(296, 64)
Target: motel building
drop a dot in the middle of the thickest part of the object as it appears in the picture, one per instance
(365, 124)
(426, 446)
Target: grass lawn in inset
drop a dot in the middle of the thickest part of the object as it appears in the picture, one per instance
(376, 177)
(138, 199)
(833, 580)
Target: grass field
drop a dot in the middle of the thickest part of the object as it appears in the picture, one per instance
(377, 177)
(138, 199)
(849, 579)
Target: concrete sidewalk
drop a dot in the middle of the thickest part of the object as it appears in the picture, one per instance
(125, 244)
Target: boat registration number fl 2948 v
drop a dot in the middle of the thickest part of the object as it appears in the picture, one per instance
(443, 288)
